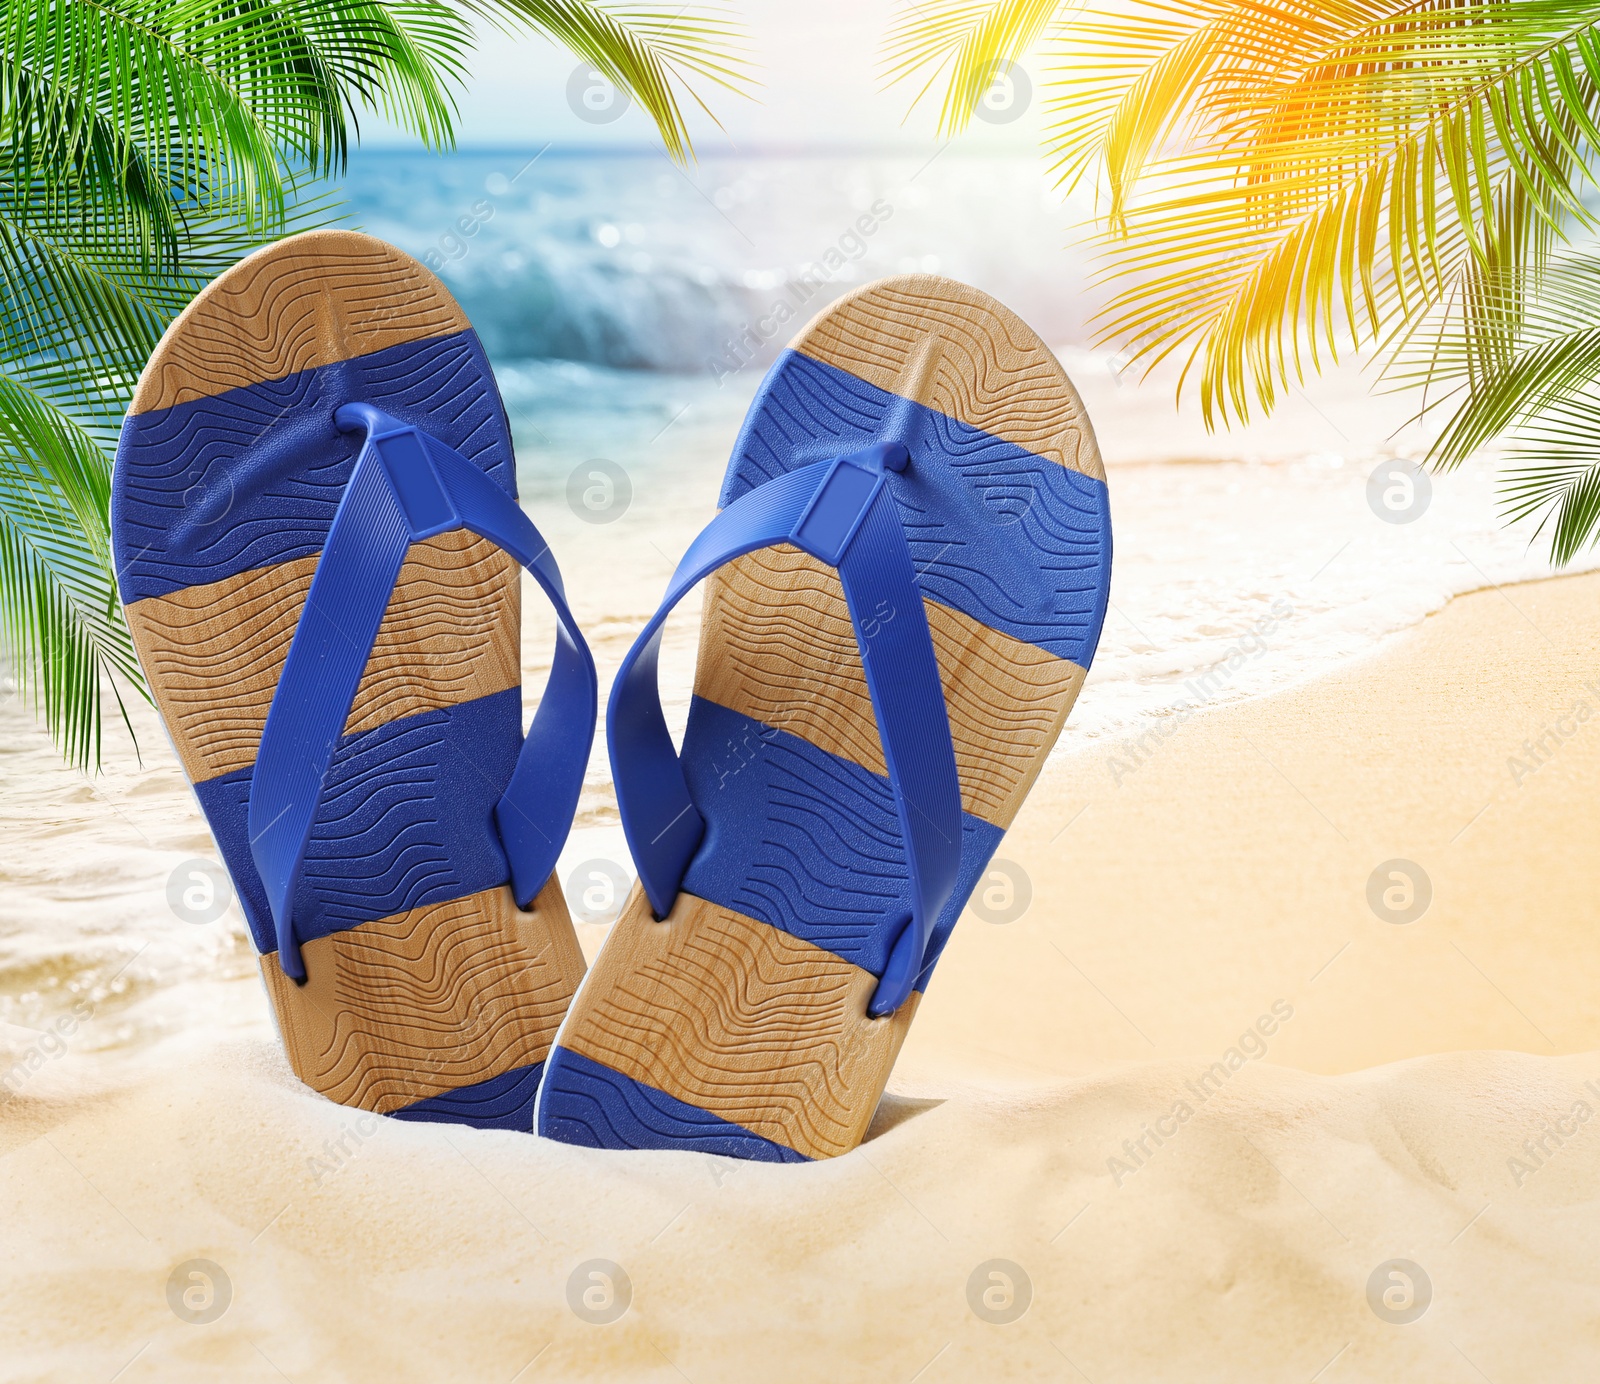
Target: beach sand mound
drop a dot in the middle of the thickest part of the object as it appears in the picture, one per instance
(1241, 1247)
(1209, 1108)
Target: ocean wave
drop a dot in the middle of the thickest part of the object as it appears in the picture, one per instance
(554, 303)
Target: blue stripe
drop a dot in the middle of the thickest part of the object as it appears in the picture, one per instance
(406, 820)
(502, 1102)
(1016, 541)
(808, 842)
(251, 477)
(599, 1108)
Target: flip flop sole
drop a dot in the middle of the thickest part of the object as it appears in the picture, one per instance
(430, 993)
(739, 1024)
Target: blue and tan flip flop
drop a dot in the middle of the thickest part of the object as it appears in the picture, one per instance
(318, 542)
(905, 587)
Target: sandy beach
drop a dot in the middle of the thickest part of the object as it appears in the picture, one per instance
(1196, 1096)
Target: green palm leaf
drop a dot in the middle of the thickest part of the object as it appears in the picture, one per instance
(649, 53)
(58, 605)
(1563, 487)
(1544, 396)
(219, 96)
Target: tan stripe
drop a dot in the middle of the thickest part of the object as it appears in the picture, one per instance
(776, 644)
(960, 352)
(438, 998)
(214, 653)
(309, 300)
(740, 1019)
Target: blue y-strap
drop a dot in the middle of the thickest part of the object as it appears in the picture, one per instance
(406, 487)
(842, 513)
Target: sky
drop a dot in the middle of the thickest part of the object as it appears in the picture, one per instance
(817, 64)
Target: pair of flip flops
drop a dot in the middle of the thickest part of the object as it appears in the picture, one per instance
(319, 548)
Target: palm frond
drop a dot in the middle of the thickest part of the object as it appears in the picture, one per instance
(973, 40)
(1563, 483)
(1543, 397)
(73, 338)
(221, 94)
(646, 52)
(1556, 358)
(59, 616)
(1286, 179)
(1365, 184)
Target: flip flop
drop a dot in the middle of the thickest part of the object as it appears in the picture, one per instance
(906, 584)
(318, 542)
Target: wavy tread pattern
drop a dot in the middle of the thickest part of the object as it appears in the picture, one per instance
(1017, 541)
(406, 819)
(441, 997)
(741, 1020)
(747, 1004)
(214, 653)
(776, 644)
(327, 296)
(252, 477)
(603, 1109)
(502, 1102)
(957, 350)
(806, 841)
(430, 993)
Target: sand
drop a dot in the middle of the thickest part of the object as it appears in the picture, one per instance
(1329, 1091)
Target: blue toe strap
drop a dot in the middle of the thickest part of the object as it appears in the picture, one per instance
(842, 513)
(406, 487)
